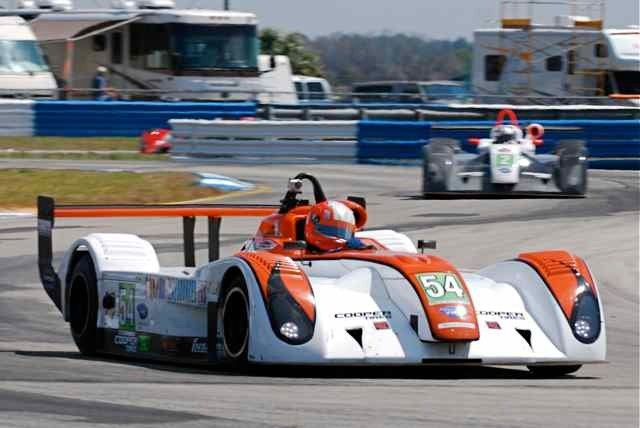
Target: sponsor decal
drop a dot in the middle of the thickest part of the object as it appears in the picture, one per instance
(155, 288)
(494, 325)
(126, 340)
(126, 307)
(199, 346)
(504, 170)
(456, 325)
(458, 311)
(371, 315)
(144, 344)
(505, 315)
(143, 311)
(381, 325)
(442, 287)
(109, 304)
(505, 160)
(168, 345)
(186, 291)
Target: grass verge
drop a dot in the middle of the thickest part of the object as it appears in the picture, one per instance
(19, 187)
(83, 156)
(69, 143)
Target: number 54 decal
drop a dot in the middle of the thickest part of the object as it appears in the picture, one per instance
(442, 287)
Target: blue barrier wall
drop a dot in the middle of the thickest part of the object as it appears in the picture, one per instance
(404, 140)
(124, 118)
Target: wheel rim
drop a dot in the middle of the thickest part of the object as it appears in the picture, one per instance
(79, 305)
(235, 322)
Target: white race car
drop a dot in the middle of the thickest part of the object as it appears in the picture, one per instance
(280, 299)
(505, 162)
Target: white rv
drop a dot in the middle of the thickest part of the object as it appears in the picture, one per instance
(160, 51)
(23, 70)
(573, 57)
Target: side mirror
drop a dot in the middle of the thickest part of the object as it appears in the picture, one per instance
(422, 245)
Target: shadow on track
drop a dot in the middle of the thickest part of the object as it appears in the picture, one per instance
(453, 372)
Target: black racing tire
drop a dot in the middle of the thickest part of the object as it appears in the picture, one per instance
(83, 305)
(553, 371)
(438, 164)
(234, 317)
(570, 173)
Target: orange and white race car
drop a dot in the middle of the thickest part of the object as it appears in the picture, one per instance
(312, 286)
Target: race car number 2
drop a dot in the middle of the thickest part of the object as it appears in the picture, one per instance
(442, 287)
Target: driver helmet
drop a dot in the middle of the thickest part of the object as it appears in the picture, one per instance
(506, 133)
(330, 226)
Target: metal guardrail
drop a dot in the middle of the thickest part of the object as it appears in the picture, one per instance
(273, 139)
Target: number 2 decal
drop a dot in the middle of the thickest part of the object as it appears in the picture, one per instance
(442, 287)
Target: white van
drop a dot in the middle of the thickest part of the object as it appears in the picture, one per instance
(23, 71)
(312, 89)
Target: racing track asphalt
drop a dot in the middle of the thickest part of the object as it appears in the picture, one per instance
(44, 381)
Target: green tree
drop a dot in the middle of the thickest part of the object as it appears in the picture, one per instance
(296, 47)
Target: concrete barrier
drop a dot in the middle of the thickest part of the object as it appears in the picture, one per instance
(16, 118)
(327, 139)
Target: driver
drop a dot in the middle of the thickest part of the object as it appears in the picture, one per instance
(331, 226)
(506, 133)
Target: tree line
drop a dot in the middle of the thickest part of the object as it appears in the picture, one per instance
(347, 58)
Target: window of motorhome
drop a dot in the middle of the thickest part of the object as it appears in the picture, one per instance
(600, 50)
(99, 43)
(554, 63)
(571, 62)
(116, 48)
(21, 56)
(493, 65)
(149, 47)
(215, 47)
(627, 82)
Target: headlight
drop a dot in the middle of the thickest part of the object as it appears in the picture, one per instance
(288, 320)
(585, 318)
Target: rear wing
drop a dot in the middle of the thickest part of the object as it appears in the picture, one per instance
(48, 211)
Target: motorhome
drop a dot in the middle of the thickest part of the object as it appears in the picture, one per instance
(574, 56)
(151, 49)
(23, 70)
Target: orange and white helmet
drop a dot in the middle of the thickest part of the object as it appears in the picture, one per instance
(330, 226)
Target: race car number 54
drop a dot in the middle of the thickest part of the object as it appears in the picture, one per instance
(442, 287)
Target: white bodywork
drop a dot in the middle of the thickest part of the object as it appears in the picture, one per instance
(506, 158)
(23, 71)
(349, 294)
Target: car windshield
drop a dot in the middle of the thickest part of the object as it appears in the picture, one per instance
(216, 47)
(21, 56)
(442, 90)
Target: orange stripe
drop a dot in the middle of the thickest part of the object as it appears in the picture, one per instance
(294, 279)
(168, 211)
(410, 265)
(555, 269)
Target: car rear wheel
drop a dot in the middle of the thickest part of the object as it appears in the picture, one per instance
(553, 371)
(235, 322)
(571, 171)
(438, 164)
(83, 305)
